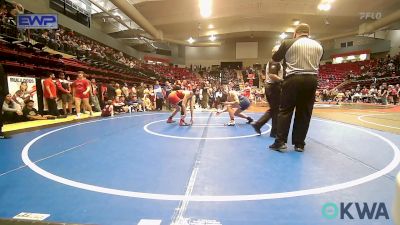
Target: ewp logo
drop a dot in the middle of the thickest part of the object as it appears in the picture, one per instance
(363, 211)
(37, 21)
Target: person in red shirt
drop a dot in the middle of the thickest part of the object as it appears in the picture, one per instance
(50, 94)
(81, 93)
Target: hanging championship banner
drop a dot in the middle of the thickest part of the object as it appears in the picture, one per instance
(22, 89)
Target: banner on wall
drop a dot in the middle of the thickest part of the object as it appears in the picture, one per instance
(22, 89)
(37, 21)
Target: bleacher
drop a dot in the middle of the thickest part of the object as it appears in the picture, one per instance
(336, 73)
(24, 59)
(26, 53)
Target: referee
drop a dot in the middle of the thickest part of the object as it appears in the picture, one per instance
(301, 56)
(272, 93)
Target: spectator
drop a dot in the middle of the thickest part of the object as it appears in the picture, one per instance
(140, 94)
(133, 91)
(118, 91)
(152, 97)
(17, 10)
(383, 94)
(93, 95)
(108, 109)
(30, 113)
(125, 90)
(64, 91)
(159, 96)
(11, 113)
(167, 91)
(81, 89)
(50, 94)
(119, 105)
(110, 91)
(136, 104)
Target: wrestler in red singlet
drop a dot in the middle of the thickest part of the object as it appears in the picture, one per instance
(175, 97)
(179, 100)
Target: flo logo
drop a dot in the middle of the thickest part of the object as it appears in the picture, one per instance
(355, 210)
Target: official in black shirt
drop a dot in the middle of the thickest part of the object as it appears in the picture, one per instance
(301, 56)
(273, 82)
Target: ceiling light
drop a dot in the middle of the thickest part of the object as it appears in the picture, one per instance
(212, 37)
(205, 8)
(210, 26)
(324, 6)
(283, 35)
(191, 40)
(296, 22)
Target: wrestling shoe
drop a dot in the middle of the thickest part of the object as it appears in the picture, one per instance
(257, 129)
(231, 123)
(183, 123)
(249, 120)
(170, 120)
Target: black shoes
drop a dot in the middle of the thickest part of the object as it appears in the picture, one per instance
(3, 136)
(249, 120)
(280, 147)
(299, 148)
(257, 129)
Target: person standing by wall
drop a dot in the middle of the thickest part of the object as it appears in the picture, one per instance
(167, 90)
(50, 94)
(159, 96)
(301, 57)
(140, 94)
(93, 95)
(81, 89)
(64, 90)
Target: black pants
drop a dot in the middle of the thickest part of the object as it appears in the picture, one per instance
(10, 117)
(159, 103)
(272, 93)
(1, 113)
(298, 92)
(52, 105)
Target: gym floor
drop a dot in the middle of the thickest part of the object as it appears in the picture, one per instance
(136, 169)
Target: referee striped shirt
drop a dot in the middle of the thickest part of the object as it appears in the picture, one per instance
(300, 56)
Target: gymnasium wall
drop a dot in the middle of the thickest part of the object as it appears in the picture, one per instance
(177, 54)
(394, 37)
(375, 45)
(208, 56)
